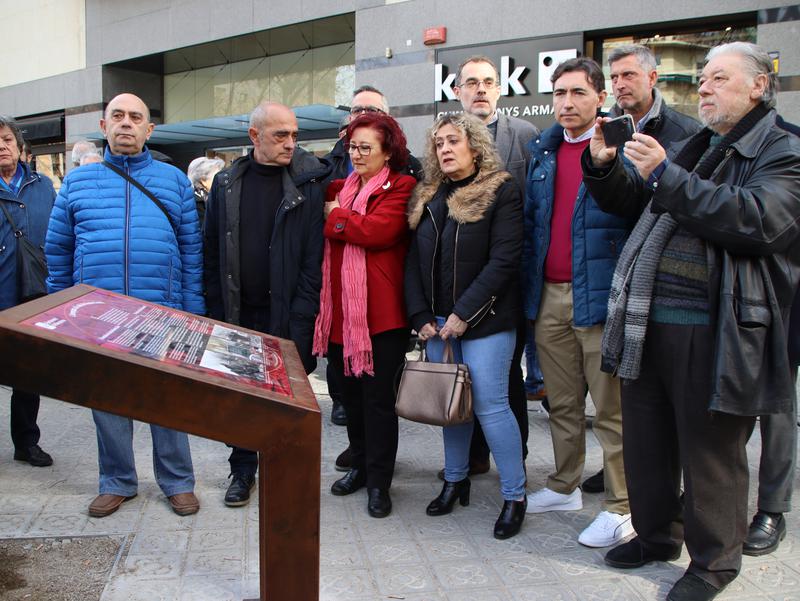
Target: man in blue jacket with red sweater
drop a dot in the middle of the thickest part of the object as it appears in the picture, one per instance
(105, 232)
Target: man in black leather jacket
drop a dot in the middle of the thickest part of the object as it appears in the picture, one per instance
(709, 274)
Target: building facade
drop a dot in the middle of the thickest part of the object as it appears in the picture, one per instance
(201, 65)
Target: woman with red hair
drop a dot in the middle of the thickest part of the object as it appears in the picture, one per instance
(362, 324)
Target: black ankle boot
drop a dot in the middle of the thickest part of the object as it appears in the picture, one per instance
(510, 520)
(443, 504)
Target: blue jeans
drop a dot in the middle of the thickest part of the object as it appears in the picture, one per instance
(172, 458)
(489, 361)
(534, 380)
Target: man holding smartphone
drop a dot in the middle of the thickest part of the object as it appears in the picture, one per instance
(633, 83)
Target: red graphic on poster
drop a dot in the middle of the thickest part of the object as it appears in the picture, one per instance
(148, 330)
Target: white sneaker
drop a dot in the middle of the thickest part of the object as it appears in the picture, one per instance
(549, 500)
(607, 529)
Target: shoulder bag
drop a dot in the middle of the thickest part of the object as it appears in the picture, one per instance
(31, 265)
(144, 191)
(439, 394)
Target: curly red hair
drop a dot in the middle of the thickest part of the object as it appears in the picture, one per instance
(393, 140)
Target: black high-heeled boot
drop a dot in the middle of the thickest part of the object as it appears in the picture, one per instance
(443, 504)
(510, 520)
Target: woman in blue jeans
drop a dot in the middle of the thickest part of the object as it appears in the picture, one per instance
(462, 288)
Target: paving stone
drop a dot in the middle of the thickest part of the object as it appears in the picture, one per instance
(409, 555)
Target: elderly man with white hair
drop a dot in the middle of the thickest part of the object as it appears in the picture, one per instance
(85, 152)
(201, 173)
(698, 311)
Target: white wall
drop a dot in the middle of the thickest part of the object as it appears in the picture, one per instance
(42, 38)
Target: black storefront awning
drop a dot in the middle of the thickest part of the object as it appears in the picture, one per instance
(48, 127)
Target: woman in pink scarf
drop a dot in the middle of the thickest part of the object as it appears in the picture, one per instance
(362, 324)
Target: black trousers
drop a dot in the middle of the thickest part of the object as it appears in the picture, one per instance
(667, 429)
(369, 404)
(24, 411)
(778, 458)
(245, 461)
(517, 400)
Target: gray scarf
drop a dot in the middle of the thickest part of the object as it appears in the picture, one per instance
(634, 277)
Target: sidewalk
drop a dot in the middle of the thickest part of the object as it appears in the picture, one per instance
(214, 555)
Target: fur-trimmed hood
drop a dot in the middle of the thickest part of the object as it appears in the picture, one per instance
(465, 205)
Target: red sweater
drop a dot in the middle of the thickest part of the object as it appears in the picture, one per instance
(383, 232)
(558, 262)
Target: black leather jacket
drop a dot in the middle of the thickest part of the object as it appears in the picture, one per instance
(748, 213)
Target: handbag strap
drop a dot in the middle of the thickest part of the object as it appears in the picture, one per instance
(144, 191)
(17, 232)
(447, 354)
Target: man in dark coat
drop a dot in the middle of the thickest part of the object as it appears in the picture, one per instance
(697, 314)
(263, 248)
(633, 83)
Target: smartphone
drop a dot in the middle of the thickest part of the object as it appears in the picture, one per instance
(618, 131)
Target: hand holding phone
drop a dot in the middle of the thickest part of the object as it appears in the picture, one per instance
(618, 131)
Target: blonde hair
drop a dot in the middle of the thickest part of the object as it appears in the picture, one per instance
(478, 137)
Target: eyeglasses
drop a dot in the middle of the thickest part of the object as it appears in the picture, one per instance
(358, 109)
(362, 149)
(474, 84)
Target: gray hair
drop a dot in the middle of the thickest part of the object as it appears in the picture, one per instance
(374, 90)
(12, 125)
(644, 56)
(478, 138)
(202, 168)
(756, 62)
(83, 148)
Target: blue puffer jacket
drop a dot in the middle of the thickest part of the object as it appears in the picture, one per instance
(597, 237)
(30, 210)
(104, 232)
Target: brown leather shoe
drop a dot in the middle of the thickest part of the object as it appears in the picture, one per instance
(104, 505)
(184, 503)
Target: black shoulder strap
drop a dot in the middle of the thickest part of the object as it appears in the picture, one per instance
(144, 191)
(17, 233)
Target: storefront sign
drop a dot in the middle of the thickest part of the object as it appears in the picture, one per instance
(525, 67)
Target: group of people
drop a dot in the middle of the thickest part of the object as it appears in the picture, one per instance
(657, 276)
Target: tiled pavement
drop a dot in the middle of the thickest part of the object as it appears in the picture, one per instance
(214, 555)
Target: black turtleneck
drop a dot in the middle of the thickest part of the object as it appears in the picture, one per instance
(262, 192)
(446, 257)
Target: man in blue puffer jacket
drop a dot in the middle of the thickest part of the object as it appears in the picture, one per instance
(105, 232)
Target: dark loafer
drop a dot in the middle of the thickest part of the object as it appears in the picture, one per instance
(765, 534)
(344, 461)
(238, 493)
(595, 483)
(349, 483)
(33, 455)
(692, 588)
(104, 505)
(634, 555)
(379, 504)
(184, 503)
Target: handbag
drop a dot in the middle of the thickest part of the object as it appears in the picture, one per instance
(31, 265)
(439, 394)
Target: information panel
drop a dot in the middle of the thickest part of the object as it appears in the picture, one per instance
(126, 324)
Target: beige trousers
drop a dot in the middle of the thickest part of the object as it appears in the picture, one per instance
(570, 359)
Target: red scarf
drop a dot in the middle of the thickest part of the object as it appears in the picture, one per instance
(355, 329)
